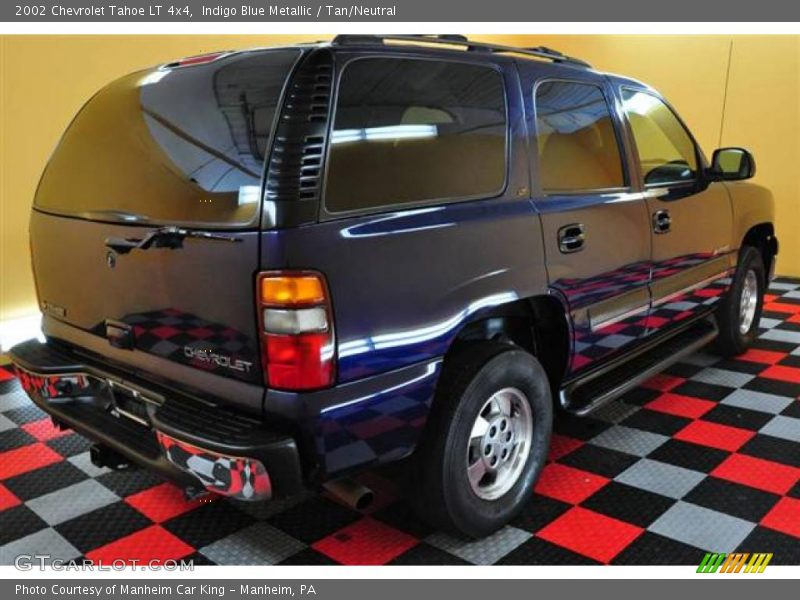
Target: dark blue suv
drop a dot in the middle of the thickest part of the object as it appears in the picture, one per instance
(276, 268)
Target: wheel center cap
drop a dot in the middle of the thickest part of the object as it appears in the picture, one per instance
(498, 442)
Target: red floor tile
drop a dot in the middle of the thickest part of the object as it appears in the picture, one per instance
(153, 543)
(7, 499)
(767, 357)
(715, 435)
(784, 516)
(568, 484)
(782, 373)
(561, 445)
(758, 473)
(590, 534)
(782, 307)
(44, 429)
(663, 382)
(162, 502)
(682, 406)
(365, 542)
(27, 458)
(710, 292)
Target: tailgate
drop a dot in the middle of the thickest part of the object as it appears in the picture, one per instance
(181, 148)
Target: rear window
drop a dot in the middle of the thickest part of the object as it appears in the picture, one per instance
(181, 146)
(408, 131)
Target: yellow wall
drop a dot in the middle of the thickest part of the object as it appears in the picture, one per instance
(45, 79)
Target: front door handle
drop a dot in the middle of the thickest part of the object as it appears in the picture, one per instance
(662, 221)
(571, 238)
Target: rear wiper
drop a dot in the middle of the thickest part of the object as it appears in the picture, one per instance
(164, 237)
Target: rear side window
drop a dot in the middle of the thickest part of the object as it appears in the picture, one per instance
(408, 131)
(181, 146)
(667, 153)
(576, 139)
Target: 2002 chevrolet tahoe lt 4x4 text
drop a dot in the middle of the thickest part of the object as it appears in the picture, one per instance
(275, 268)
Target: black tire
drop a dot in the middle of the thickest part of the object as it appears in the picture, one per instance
(442, 493)
(731, 340)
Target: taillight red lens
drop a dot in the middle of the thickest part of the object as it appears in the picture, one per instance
(298, 362)
(297, 336)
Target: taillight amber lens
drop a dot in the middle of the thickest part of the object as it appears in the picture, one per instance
(297, 336)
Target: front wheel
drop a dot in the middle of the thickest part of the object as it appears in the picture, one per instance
(740, 312)
(486, 441)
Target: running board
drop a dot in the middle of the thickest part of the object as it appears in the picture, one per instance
(589, 393)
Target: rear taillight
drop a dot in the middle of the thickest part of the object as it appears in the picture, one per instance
(297, 338)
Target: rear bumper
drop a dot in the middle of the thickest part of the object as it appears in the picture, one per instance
(191, 443)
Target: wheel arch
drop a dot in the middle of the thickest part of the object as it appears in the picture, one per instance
(762, 237)
(537, 324)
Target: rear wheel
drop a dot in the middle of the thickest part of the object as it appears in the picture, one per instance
(486, 441)
(740, 312)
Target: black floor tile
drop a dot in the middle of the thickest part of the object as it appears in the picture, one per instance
(689, 456)
(596, 459)
(733, 499)
(628, 504)
(314, 519)
(45, 480)
(102, 526)
(653, 549)
(537, 551)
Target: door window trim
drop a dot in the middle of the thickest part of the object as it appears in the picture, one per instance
(619, 135)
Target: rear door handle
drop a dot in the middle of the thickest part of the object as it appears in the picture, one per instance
(571, 238)
(662, 221)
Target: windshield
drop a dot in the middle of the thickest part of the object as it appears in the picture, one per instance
(172, 146)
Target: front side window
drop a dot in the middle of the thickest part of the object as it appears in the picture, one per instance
(408, 131)
(577, 143)
(666, 151)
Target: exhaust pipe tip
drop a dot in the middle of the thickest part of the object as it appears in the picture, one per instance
(351, 493)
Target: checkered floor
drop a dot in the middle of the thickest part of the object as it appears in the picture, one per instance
(703, 457)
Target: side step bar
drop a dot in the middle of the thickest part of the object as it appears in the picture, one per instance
(589, 393)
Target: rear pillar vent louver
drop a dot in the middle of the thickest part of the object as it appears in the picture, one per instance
(294, 174)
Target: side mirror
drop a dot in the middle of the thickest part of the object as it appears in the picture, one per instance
(732, 164)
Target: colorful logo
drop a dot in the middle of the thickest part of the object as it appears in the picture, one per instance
(734, 563)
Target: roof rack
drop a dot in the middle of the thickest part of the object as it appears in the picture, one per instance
(460, 40)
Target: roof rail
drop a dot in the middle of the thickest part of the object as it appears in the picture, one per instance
(460, 40)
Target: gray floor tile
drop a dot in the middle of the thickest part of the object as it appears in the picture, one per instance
(629, 440)
(767, 323)
(702, 527)
(486, 551)
(782, 335)
(84, 462)
(72, 501)
(787, 428)
(15, 399)
(46, 541)
(6, 423)
(782, 285)
(723, 377)
(654, 476)
(259, 544)
(768, 403)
